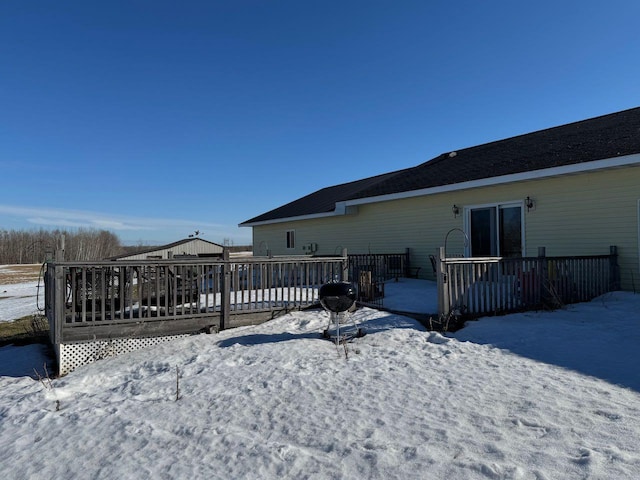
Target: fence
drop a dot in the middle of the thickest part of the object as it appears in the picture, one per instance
(371, 270)
(108, 300)
(471, 287)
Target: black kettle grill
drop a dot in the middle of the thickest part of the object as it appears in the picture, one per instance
(337, 298)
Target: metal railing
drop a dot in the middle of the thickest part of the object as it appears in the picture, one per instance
(369, 271)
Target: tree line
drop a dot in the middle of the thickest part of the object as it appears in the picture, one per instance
(37, 246)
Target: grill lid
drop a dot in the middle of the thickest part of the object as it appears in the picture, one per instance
(337, 296)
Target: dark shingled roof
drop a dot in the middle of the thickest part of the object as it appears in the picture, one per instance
(599, 138)
(323, 200)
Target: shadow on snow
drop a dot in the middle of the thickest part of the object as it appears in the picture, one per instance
(370, 326)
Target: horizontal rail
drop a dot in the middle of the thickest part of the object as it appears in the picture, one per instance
(200, 261)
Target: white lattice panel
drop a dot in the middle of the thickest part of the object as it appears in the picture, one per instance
(74, 355)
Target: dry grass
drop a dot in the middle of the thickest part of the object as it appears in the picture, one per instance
(29, 329)
(10, 274)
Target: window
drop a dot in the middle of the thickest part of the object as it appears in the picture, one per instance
(291, 239)
(495, 230)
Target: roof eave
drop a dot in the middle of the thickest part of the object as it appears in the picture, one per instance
(342, 207)
(608, 163)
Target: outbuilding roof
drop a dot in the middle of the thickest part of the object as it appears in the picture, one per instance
(605, 137)
(204, 246)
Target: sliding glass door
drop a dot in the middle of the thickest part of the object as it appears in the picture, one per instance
(484, 242)
(495, 230)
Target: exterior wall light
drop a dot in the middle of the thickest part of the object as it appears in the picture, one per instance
(456, 210)
(528, 202)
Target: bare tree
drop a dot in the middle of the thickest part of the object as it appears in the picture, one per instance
(33, 246)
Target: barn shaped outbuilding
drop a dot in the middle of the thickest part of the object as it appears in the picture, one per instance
(189, 247)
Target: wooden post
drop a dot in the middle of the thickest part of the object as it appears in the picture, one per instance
(407, 262)
(543, 281)
(60, 250)
(614, 269)
(345, 265)
(365, 285)
(59, 306)
(225, 307)
(444, 301)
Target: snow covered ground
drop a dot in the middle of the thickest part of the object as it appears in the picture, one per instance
(19, 300)
(549, 395)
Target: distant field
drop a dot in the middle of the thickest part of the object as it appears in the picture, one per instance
(24, 329)
(10, 274)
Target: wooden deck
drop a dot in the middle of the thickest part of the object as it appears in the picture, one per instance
(120, 299)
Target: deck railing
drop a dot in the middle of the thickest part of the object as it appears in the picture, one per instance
(370, 270)
(383, 265)
(120, 299)
(472, 287)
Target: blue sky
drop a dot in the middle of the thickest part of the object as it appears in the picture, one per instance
(154, 119)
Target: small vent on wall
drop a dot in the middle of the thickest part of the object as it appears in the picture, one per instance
(310, 248)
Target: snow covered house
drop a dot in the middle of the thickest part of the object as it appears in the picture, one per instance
(574, 189)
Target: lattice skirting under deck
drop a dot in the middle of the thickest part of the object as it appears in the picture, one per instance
(73, 355)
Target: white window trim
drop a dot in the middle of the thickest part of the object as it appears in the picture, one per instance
(293, 237)
(515, 203)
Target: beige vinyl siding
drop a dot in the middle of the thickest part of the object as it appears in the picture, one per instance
(580, 214)
(584, 214)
